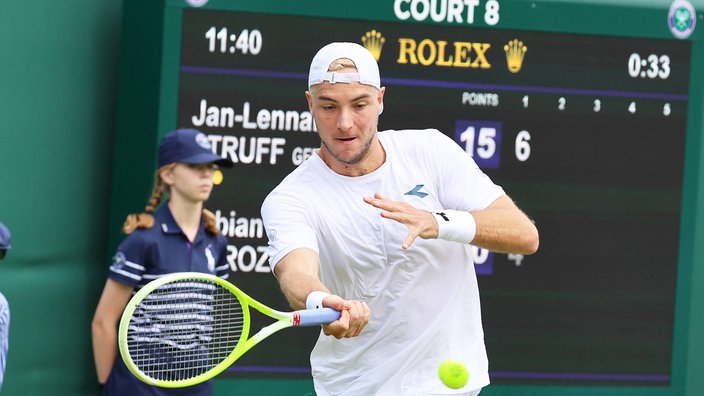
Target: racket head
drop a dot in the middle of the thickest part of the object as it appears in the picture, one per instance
(183, 329)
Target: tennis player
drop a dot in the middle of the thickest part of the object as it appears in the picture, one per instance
(379, 226)
(175, 237)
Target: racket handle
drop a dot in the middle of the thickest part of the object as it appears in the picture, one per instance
(314, 317)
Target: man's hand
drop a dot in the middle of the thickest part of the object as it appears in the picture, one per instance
(420, 223)
(354, 316)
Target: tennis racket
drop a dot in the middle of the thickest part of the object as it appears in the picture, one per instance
(187, 327)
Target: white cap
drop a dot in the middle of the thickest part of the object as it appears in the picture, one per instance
(367, 68)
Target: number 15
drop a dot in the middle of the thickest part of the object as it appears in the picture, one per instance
(485, 142)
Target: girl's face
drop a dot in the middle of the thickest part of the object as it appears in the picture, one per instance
(191, 182)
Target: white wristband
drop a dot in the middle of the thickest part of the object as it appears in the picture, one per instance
(315, 299)
(455, 225)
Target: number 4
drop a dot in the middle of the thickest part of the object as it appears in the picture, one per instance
(242, 43)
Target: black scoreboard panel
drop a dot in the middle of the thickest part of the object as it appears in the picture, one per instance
(587, 130)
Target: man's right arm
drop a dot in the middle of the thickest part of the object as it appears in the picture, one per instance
(297, 273)
(298, 277)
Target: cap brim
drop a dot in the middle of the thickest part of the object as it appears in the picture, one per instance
(206, 158)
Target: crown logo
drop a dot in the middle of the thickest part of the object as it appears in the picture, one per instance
(515, 52)
(373, 41)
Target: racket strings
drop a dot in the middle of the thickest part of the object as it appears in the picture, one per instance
(184, 329)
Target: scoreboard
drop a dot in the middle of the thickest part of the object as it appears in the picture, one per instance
(589, 114)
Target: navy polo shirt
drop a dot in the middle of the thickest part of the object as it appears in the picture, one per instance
(148, 253)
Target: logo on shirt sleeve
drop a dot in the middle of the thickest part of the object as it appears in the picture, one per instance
(118, 260)
(211, 258)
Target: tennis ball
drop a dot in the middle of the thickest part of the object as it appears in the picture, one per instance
(453, 373)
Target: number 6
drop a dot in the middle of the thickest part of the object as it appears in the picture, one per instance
(522, 146)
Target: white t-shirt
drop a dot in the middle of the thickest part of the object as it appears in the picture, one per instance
(424, 301)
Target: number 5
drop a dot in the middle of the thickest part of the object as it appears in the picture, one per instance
(486, 145)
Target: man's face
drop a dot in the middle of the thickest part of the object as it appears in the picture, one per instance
(346, 115)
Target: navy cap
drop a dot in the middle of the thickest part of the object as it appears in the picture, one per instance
(4, 237)
(188, 146)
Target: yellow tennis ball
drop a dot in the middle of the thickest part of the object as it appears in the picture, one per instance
(453, 373)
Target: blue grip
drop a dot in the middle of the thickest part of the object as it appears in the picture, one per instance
(314, 317)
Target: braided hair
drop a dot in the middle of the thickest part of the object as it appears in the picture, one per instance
(146, 220)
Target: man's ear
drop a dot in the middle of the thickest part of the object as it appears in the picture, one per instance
(309, 99)
(382, 91)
